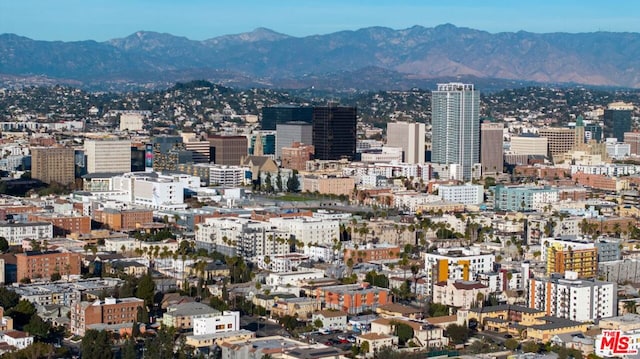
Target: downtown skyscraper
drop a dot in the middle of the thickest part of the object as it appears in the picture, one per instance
(455, 112)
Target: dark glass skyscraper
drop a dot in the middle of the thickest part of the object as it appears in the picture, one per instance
(334, 132)
(271, 116)
(617, 121)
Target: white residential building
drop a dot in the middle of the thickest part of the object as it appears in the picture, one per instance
(572, 298)
(223, 322)
(152, 190)
(466, 194)
(411, 200)
(108, 156)
(241, 236)
(459, 293)
(320, 252)
(309, 230)
(457, 264)
(16, 233)
(17, 339)
(229, 176)
(293, 278)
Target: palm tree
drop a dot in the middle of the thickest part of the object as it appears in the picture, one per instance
(415, 270)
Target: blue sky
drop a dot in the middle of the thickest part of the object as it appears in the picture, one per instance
(202, 19)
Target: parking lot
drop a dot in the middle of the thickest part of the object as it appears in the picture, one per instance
(335, 339)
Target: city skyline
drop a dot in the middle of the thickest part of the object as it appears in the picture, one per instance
(73, 20)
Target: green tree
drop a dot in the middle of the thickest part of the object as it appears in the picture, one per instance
(404, 332)
(530, 347)
(511, 344)
(142, 315)
(146, 290)
(38, 328)
(161, 346)
(4, 245)
(268, 186)
(318, 323)
(129, 349)
(293, 184)
(364, 347)
(279, 186)
(22, 313)
(35, 350)
(8, 298)
(377, 280)
(459, 334)
(96, 345)
(55, 277)
(219, 304)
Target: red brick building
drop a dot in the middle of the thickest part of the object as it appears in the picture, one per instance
(111, 311)
(63, 225)
(43, 264)
(376, 253)
(124, 220)
(296, 156)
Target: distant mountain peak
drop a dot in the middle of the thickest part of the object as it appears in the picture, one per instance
(266, 56)
(258, 34)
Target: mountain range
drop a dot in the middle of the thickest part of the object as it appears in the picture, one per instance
(369, 58)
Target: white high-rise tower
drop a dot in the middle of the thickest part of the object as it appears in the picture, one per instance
(455, 112)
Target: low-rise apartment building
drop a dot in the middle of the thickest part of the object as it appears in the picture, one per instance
(354, 298)
(572, 298)
(182, 316)
(36, 264)
(218, 322)
(15, 233)
(111, 311)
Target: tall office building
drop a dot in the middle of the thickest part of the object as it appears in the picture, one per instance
(593, 131)
(53, 164)
(633, 139)
(168, 152)
(580, 132)
(491, 147)
(108, 156)
(410, 137)
(273, 115)
(334, 132)
(617, 120)
(561, 140)
(289, 133)
(455, 109)
(228, 150)
(200, 150)
(267, 142)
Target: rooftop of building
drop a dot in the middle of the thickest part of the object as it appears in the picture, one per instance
(400, 308)
(331, 313)
(189, 309)
(24, 224)
(102, 175)
(505, 307)
(313, 353)
(464, 285)
(374, 336)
